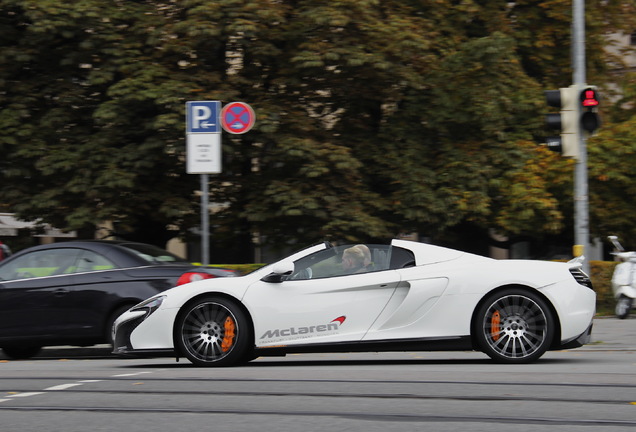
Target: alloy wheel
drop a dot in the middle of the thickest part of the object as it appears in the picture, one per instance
(515, 327)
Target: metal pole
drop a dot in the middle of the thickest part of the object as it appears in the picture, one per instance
(581, 205)
(205, 216)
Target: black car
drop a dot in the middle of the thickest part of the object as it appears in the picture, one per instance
(71, 293)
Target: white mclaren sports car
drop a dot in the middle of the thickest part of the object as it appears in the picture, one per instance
(406, 296)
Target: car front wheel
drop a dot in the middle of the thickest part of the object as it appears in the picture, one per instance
(213, 331)
(514, 326)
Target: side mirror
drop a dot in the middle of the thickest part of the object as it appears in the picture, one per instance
(280, 271)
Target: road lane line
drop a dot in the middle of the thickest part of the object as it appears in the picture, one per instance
(62, 386)
(65, 386)
(25, 394)
(130, 374)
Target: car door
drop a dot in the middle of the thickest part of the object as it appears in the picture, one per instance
(33, 290)
(319, 303)
(93, 294)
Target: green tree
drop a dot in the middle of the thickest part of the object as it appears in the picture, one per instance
(373, 118)
(612, 153)
(89, 118)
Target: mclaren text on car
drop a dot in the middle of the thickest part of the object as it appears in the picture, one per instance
(404, 296)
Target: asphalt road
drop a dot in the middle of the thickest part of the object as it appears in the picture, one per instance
(586, 389)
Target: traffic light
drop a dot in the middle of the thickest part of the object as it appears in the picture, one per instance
(567, 120)
(589, 99)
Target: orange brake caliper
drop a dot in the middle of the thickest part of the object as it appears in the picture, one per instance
(228, 338)
(495, 326)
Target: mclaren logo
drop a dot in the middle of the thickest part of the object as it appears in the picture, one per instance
(305, 331)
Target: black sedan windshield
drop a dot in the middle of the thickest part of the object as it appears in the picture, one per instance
(152, 254)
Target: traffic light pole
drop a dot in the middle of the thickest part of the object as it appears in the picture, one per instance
(581, 204)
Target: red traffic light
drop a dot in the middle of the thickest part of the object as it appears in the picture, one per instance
(590, 120)
(589, 98)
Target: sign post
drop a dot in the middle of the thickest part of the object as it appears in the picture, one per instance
(204, 120)
(203, 156)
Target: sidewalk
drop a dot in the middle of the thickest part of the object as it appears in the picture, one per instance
(610, 333)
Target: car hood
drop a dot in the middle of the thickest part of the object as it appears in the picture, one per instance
(232, 286)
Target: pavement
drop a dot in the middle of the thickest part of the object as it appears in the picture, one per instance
(608, 334)
(611, 333)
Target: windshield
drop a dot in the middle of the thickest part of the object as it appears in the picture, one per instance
(153, 254)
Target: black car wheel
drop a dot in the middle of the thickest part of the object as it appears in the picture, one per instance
(21, 352)
(514, 326)
(213, 331)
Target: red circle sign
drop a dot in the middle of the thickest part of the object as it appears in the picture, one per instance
(237, 117)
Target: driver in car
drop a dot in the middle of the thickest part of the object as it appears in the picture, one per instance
(357, 259)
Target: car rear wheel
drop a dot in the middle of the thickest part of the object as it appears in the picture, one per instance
(21, 352)
(514, 326)
(213, 331)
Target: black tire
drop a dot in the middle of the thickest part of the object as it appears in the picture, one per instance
(623, 307)
(108, 326)
(213, 331)
(21, 352)
(514, 326)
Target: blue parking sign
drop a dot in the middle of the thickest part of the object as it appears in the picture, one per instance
(203, 117)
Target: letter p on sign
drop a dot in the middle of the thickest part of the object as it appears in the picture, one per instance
(203, 117)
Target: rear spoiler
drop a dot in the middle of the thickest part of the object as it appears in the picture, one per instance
(577, 262)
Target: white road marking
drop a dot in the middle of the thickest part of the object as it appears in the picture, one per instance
(65, 386)
(25, 394)
(131, 374)
(62, 386)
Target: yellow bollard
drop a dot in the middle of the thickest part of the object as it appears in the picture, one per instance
(577, 250)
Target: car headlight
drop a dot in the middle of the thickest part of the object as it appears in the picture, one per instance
(149, 306)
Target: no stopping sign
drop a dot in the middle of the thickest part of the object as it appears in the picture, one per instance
(237, 117)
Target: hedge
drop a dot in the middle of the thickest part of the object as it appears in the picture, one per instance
(242, 269)
(601, 274)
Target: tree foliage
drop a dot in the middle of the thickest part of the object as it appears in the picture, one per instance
(612, 179)
(373, 117)
(90, 118)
